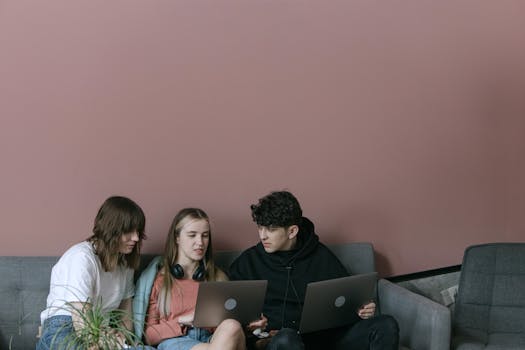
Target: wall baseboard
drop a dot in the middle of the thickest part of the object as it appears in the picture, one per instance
(424, 274)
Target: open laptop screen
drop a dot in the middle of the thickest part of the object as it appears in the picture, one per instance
(240, 300)
(334, 303)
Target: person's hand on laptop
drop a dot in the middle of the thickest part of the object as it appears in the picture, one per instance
(367, 311)
(187, 320)
(257, 328)
(260, 323)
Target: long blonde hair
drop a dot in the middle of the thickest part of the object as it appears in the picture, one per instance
(170, 257)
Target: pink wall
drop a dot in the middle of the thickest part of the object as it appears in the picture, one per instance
(398, 123)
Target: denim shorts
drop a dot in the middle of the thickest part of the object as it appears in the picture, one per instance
(57, 334)
(194, 337)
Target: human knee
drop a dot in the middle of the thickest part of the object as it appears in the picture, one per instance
(231, 327)
(386, 327)
(231, 324)
(388, 324)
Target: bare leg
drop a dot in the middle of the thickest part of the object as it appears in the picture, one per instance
(229, 335)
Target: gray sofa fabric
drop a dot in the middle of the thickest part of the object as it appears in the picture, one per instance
(423, 323)
(24, 285)
(490, 306)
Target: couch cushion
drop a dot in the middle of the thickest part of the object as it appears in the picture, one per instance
(24, 285)
(491, 299)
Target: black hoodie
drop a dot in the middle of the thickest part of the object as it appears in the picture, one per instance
(288, 273)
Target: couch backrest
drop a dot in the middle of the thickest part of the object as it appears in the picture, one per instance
(24, 285)
(356, 257)
(490, 307)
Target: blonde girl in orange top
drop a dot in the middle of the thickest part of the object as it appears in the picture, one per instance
(187, 260)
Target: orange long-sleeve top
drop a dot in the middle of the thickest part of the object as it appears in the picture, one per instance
(183, 301)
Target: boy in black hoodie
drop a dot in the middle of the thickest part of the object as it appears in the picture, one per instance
(290, 256)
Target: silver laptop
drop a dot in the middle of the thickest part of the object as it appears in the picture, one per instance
(240, 300)
(334, 303)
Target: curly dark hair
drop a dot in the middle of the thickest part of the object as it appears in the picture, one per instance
(277, 209)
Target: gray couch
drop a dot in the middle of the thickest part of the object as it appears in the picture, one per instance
(24, 284)
(490, 307)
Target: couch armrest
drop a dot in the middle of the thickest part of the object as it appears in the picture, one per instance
(423, 323)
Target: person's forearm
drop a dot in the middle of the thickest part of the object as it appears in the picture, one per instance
(155, 333)
(126, 306)
(78, 312)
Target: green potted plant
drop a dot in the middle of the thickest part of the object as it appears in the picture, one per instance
(96, 329)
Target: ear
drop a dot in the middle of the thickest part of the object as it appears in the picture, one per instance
(293, 231)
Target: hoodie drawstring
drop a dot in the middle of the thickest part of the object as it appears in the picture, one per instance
(288, 270)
